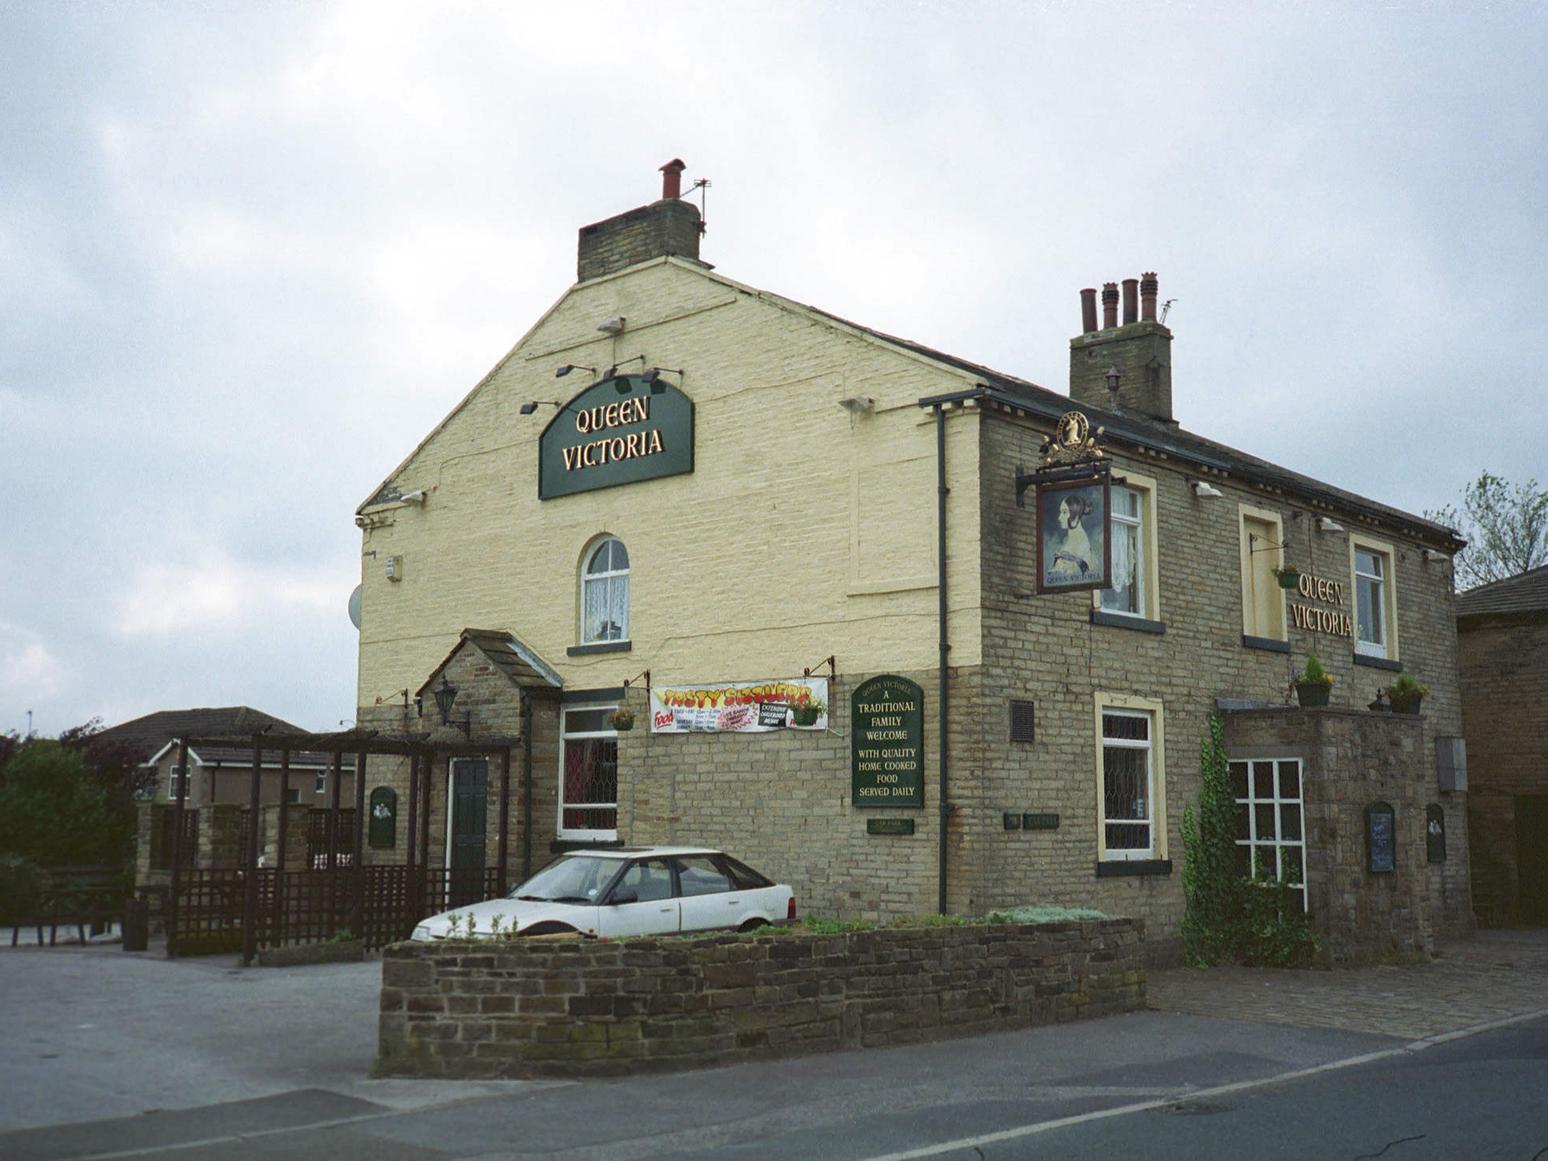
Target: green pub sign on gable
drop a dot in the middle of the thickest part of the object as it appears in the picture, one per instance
(618, 431)
(887, 743)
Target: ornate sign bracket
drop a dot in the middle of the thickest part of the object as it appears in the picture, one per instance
(1069, 453)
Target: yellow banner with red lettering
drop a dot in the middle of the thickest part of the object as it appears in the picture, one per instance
(740, 707)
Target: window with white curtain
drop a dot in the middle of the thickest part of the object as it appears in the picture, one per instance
(1127, 594)
(605, 593)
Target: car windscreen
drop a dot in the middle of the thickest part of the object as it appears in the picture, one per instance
(572, 879)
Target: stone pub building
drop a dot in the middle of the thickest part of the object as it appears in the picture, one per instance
(796, 552)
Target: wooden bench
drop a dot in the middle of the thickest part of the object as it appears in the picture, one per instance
(77, 897)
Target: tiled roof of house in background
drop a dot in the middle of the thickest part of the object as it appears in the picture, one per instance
(1525, 592)
(150, 733)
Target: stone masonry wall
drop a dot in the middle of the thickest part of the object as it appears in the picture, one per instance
(1046, 649)
(781, 801)
(1350, 759)
(581, 1008)
(1504, 663)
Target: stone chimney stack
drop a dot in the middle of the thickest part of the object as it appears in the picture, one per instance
(670, 226)
(1140, 349)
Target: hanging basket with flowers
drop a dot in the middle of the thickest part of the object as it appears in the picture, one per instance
(621, 719)
(806, 713)
(1288, 576)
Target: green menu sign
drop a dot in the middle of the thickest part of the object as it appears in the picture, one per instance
(619, 431)
(887, 743)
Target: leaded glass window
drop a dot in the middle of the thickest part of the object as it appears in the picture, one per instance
(1127, 791)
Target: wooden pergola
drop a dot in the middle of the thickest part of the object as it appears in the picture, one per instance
(421, 749)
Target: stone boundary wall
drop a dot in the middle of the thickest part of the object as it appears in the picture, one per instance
(581, 1008)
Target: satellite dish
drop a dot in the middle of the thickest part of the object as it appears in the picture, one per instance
(354, 607)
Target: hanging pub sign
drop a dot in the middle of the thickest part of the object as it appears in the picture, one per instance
(740, 707)
(887, 743)
(1074, 544)
(620, 430)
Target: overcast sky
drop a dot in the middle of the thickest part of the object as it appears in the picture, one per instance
(250, 253)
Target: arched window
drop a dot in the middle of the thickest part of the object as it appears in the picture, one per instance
(605, 593)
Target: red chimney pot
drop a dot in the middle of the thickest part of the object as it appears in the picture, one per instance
(1088, 315)
(672, 179)
(1109, 304)
(1148, 293)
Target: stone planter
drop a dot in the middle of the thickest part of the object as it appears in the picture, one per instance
(1312, 693)
(1407, 705)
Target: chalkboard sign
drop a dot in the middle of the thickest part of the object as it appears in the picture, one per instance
(1435, 833)
(887, 743)
(384, 818)
(1381, 837)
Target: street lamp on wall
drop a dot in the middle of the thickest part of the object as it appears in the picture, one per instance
(445, 698)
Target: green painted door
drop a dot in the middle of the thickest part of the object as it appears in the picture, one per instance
(469, 810)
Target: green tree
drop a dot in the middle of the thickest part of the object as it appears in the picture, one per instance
(1505, 526)
(54, 809)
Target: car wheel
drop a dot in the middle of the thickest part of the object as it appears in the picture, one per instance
(549, 929)
(753, 925)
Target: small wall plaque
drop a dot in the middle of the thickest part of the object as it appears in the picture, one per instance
(1039, 821)
(1435, 833)
(1381, 837)
(1012, 820)
(383, 830)
(889, 826)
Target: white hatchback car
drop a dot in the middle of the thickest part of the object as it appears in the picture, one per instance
(608, 894)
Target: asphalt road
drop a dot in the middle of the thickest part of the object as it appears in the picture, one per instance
(110, 1054)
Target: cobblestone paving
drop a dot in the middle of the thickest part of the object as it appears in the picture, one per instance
(1495, 976)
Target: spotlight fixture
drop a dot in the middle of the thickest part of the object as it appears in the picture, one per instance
(1327, 524)
(531, 405)
(621, 385)
(1430, 555)
(653, 378)
(613, 325)
(566, 368)
(858, 404)
(1205, 491)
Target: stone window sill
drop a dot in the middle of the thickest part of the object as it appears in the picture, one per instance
(600, 647)
(1119, 867)
(1124, 621)
(1378, 663)
(1269, 644)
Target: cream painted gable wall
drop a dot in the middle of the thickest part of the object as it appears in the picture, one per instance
(803, 531)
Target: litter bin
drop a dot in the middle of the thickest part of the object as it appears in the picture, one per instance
(136, 924)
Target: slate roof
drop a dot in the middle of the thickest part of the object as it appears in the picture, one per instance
(148, 734)
(146, 737)
(1177, 442)
(507, 653)
(1525, 592)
